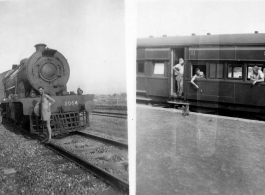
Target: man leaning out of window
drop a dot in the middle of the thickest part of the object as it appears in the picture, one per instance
(256, 75)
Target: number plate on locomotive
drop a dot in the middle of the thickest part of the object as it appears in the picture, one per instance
(70, 103)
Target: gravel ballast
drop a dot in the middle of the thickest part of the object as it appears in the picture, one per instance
(27, 167)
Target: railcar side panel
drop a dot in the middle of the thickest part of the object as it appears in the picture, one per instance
(250, 95)
(141, 85)
(158, 86)
(210, 91)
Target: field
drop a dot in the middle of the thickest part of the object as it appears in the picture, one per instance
(114, 127)
(111, 100)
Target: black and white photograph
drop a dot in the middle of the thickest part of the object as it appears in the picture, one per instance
(63, 95)
(146, 97)
(200, 92)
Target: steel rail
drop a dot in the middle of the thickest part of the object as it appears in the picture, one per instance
(107, 115)
(104, 175)
(116, 113)
(102, 139)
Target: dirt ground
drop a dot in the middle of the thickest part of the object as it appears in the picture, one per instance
(198, 154)
(114, 127)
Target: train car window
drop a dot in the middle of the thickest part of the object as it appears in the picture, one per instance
(219, 71)
(212, 70)
(140, 67)
(159, 68)
(201, 67)
(250, 69)
(216, 71)
(235, 71)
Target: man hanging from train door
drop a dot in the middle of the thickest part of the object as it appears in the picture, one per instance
(179, 70)
(45, 105)
(256, 75)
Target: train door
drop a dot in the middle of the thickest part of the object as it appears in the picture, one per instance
(176, 54)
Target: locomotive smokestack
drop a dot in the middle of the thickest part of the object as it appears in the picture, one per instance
(40, 47)
(14, 66)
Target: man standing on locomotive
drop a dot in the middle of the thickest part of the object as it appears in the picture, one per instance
(45, 105)
(256, 75)
(179, 70)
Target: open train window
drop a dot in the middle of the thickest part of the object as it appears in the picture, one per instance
(159, 68)
(235, 71)
(250, 69)
(201, 67)
(216, 70)
(140, 67)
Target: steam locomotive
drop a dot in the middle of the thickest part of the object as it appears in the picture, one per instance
(19, 93)
(226, 61)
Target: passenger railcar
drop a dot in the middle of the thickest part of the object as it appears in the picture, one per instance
(226, 60)
(19, 93)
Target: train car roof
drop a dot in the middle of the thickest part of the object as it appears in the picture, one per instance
(203, 40)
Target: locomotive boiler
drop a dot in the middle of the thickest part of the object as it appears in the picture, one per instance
(45, 67)
(19, 93)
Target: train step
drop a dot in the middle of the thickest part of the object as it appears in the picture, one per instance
(143, 99)
(178, 103)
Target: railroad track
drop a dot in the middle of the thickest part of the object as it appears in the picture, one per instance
(110, 114)
(113, 173)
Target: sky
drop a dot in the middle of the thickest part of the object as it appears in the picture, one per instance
(175, 17)
(89, 33)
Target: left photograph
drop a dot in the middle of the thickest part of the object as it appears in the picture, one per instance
(63, 98)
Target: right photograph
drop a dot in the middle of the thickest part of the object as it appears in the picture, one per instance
(200, 112)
